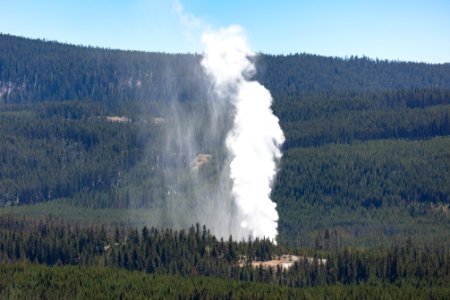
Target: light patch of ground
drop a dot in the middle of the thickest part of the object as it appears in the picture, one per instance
(157, 120)
(284, 261)
(440, 208)
(200, 160)
(118, 119)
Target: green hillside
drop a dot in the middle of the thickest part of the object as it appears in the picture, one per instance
(366, 154)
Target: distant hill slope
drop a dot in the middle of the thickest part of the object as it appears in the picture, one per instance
(36, 70)
(306, 73)
(366, 155)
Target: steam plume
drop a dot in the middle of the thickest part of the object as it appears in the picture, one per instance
(253, 142)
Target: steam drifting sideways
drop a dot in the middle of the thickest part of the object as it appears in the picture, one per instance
(254, 141)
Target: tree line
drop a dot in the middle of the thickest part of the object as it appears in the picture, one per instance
(105, 75)
(196, 252)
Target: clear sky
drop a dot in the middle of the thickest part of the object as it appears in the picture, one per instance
(409, 30)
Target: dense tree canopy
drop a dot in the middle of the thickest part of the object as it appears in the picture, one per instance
(364, 181)
(362, 136)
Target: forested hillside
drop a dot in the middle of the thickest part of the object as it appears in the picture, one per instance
(35, 70)
(366, 154)
(89, 136)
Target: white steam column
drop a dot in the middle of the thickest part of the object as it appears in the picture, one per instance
(255, 139)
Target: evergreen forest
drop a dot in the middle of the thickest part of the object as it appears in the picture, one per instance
(363, 184)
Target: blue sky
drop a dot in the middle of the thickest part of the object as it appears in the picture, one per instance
(405, 30)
